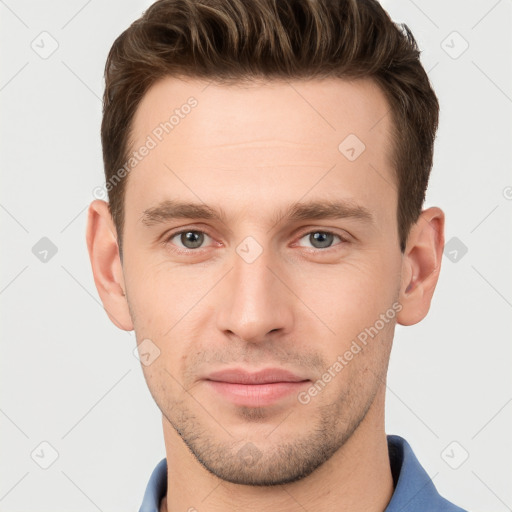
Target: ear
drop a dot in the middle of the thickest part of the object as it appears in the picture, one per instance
(421, 265)
(106, 264)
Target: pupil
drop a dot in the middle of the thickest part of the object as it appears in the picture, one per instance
(321, 239)
(192, 239)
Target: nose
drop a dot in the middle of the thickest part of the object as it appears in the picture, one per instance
(255, 299)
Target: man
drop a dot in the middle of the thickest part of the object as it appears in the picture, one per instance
(266, 164)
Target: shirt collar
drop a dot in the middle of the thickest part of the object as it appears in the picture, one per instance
(414, 489)
(156, 489)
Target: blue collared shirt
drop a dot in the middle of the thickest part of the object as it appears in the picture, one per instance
(414, 490)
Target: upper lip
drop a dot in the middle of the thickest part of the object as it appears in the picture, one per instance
(266, 376)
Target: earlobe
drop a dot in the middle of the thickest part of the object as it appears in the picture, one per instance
(106, 264)
(421, 266)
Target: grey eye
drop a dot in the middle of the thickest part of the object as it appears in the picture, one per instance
(320, 239)
(190, 239)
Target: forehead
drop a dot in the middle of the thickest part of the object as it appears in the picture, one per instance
(265, 110)
(217, 142)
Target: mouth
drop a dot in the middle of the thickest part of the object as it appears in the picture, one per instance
(255, 389)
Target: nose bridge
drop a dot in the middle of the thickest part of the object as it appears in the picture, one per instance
(256, 301)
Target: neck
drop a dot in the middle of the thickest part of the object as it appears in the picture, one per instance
(356, 478)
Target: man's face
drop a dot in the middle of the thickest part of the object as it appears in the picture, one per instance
(261, 288)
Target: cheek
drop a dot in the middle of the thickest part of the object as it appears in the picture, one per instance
(349, 296)
(167, 306)
(158, 293)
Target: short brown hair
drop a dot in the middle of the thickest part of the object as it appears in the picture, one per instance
(236, 40)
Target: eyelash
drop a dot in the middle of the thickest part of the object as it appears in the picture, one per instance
(167, 240)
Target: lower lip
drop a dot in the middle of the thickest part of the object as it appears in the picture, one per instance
(256, 395)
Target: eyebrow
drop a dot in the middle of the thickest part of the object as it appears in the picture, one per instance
(311, 210)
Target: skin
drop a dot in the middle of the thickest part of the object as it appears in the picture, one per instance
(253, 151)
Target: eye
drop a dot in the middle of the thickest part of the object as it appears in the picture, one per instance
(189, 239)
(192, 239)
(321, 239)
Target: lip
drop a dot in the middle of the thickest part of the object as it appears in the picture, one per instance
(255, 389)
(265, 376)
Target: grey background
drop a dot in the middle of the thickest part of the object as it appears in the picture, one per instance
(69, 377)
